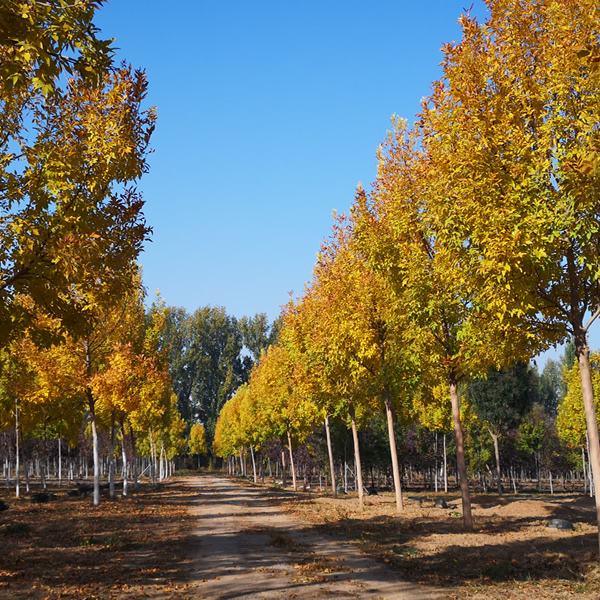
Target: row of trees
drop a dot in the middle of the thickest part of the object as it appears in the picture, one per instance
(79, 358)
(476, 248)
(522, 433)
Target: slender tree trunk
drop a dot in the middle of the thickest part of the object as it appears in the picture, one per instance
(124, 458)
(497, 455)
(17, 452)
(589, 471)
(358, 474)
(345, 477)
(59, 462)
(125, 467)
(111, 459)
(583, 357)
(389, 413)
(283, 469)
(153, 458)
(95, 450)
(584, 466)
(436, 474)
(460, 455)
(292, 466)
(445, 464)
(330, 454)
(253, 464)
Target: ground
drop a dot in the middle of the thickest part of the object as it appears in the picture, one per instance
(212, 537)
(512, 553)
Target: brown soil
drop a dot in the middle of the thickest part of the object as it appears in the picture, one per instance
(248, 547)
(211, 537)
(511, 554)
(66, 548)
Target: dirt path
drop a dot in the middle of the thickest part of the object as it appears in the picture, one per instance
(249, 548)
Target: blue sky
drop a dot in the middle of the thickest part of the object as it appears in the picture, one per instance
(269, 114)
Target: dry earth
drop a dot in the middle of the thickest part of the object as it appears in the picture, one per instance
(213, 537)
(250, 548)
(511, 554)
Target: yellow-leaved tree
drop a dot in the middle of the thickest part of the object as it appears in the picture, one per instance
(511, 131)
(197, 441)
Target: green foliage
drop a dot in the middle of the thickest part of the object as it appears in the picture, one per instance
(551, 386)
(504, 396)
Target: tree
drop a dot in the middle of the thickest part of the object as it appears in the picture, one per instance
(204, 360)
(197, 441)
(551, 386)
(500, 401)
(362, 337)
(71, 151)
(403, 232)
(287, 414)
(257, 334)
(42, 40)
(519, 105)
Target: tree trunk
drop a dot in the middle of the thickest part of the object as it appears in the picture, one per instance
(435, 468)
(292, 467)
(330, 454)
(253, 464)
(445, 464)
(589, 471)
(124, 458)
(583, 357)
(59, 462)
(358, 474)
(460, 455)
(283, 469)
(393, 450)
(95, 450)
(17, 453)
(111, 459)
(497, 455)
(584, 466)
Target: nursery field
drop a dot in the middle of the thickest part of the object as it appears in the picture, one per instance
(512, 553)
(217, 537)
(128, 547)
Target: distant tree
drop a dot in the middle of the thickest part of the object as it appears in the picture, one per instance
(551, 386)
(197, 441)
(205, 361)
(570, 355)
(500, 400)
(256, 334)
(177, 341)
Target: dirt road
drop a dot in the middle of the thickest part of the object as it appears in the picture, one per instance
(248, 548)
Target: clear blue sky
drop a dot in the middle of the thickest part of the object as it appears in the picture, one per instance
(270, 112)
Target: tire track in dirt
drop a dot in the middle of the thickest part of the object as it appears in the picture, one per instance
(247, 547)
